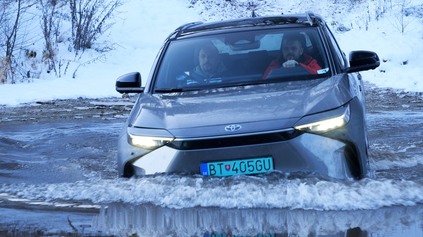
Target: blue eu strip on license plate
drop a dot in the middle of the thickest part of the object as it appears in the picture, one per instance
(235, 167)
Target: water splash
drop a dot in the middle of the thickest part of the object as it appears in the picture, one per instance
(270, 191)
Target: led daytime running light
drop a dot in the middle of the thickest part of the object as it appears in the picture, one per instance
(328, 124)
(147, 142)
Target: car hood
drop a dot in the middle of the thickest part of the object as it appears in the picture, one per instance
(257, 108)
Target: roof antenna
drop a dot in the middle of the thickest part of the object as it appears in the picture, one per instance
(310, 17)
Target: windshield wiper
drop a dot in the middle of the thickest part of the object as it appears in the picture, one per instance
(173, 90)
(211, 86)
(251, 83)
(169, 90)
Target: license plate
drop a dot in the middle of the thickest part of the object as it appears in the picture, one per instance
(234, 167)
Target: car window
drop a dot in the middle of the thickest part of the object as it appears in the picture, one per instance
(339, 54)
(237, 58)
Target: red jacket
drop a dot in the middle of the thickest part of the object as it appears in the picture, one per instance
(308, 63)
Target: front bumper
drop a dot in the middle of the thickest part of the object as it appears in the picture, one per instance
(305, 153)
(339, 154)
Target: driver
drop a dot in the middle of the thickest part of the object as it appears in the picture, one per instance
(293, 56)
(209, 63)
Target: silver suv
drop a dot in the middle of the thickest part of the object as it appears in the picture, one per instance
(249, 97)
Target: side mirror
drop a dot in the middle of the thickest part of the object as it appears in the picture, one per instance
(363, 60)
(129, 83)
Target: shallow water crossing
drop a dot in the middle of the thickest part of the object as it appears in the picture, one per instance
(58, 176)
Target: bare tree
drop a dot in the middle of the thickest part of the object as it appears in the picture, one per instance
(9, 31)
(400, 14)
(89, 20)
(2, 45)
(11, 39)
(50, 24)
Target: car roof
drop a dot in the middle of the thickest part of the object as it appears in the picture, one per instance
(305, 19)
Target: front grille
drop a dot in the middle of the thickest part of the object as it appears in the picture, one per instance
(234, 141)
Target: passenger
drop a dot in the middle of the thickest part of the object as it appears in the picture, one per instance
(209, 64)
(293, 55)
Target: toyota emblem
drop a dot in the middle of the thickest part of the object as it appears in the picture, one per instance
(233, 127)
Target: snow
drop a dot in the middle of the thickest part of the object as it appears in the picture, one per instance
(140, 27)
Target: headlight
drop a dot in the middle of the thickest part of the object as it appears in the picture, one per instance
(327, 124)
(148, 139)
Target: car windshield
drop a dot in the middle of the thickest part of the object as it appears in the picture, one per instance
(242, 58)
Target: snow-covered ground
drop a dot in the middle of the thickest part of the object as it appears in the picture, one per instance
(142, 25)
